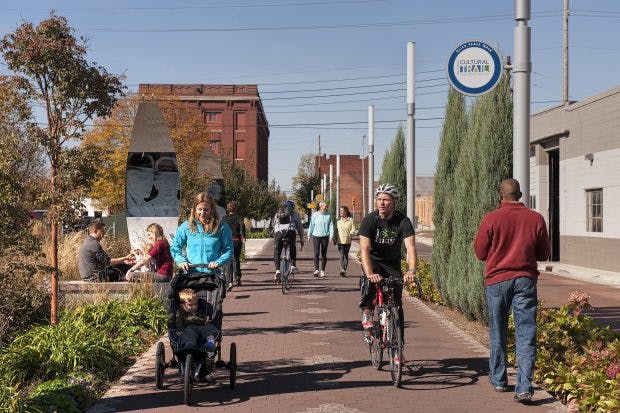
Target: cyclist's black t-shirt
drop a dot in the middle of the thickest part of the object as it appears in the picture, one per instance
(386, 240)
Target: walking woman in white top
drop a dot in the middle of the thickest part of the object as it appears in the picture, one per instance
(343, 238)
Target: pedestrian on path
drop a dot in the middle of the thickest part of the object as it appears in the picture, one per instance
(343, 238)
(235, 222)
(511, 239)
(321, 231)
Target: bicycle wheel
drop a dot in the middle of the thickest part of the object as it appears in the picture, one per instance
(160, 365)
(284, 268)
(395, 347)
(232, 365)
(188, 385)
(375, 346)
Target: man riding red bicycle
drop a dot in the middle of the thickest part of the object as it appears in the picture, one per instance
(382, 233)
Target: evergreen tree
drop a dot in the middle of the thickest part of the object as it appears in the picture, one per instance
(394, 169)
(454, 127)
(486, 159)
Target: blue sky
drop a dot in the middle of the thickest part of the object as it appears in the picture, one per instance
(347, 53)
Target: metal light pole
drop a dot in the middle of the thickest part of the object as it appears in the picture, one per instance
(363, 180)
(371, 156)
(410, 146)
(337, 183)
(522, 68)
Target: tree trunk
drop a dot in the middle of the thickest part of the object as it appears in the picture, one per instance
(54, 250)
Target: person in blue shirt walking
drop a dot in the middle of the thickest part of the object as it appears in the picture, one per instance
(321, 231)
(206, 239)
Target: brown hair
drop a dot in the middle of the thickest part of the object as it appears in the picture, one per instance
(186, 295)
(213, 222)
(231, 208)
(95, 226)
(346, 210)
(157, 230)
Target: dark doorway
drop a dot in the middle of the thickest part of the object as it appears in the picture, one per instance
(554, 203)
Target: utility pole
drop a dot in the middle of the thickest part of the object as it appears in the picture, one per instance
(521, 70)
(337, 183)
(319, 158)
(363, 179)
(566, 13)
(410, 147)
(371, 156)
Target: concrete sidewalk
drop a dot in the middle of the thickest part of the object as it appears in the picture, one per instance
(303, 352)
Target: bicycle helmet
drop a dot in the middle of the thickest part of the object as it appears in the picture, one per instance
(389, 189)
(289, 205)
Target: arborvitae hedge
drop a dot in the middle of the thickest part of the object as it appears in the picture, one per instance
(486, 159)
(454, 127)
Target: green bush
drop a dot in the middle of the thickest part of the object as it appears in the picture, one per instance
(258, 234)
(67, 365)
(424, 275)
(23, 299)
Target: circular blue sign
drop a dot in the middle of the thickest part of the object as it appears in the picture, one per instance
(474, 68)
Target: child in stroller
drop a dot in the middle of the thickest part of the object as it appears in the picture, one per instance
(193, 323)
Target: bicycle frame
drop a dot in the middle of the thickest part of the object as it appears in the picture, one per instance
(381, 302)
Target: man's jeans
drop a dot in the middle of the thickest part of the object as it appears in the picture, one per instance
(520, 293)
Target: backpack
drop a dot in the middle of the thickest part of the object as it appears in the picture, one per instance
(284, 216)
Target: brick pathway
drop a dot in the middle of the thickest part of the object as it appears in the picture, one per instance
(303, 352)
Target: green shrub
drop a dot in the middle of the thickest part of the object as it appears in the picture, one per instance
(424, 275)
(72, 395)
(68, 364)
(258, 234)
(23, 299)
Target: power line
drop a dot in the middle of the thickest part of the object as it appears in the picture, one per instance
(452, 20)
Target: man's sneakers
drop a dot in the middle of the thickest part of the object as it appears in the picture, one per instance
(524, 398)
(230, 287)
(293, 269)
(276, 277)
(498, 388)
(316, 273)
(367, 319)
(322, 274)
(343, 272)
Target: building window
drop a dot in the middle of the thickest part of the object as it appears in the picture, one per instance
(594, 210)
(211, 117)
(240, 150)
(240, 120)
(215, 147)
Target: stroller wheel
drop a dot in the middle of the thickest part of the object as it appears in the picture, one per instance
(232, 365)
(160, 365)
(188, 385)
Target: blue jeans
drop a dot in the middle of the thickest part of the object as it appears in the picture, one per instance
(520, 293)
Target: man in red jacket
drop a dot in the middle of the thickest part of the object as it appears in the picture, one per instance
(511, 239)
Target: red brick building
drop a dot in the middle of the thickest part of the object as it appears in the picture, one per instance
(235, 117)
(350, 179)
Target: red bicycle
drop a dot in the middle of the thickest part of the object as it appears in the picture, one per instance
(386, 331)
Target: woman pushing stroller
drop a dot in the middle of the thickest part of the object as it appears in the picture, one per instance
(206, 240)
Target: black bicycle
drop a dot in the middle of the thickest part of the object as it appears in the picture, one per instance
(286, 275)
(386, 331)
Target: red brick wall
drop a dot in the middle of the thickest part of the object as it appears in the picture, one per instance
(227, 100)
(350, 179)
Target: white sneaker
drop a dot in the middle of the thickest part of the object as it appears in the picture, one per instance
(276, 276)
(322, 274)
(316, 273)
(293, 269)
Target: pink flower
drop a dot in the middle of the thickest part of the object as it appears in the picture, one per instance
(572, 407)
(613, 370)
(578, 301)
